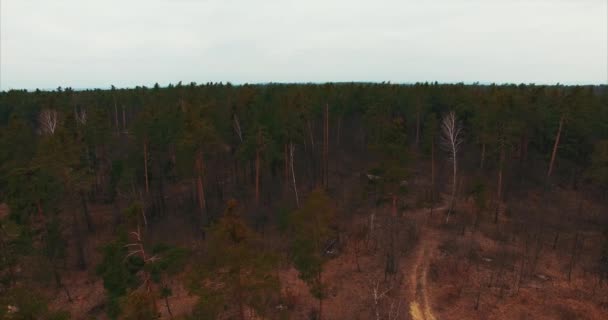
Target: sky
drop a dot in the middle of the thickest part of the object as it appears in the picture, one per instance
(94, 44)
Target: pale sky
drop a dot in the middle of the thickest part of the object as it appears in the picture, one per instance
(91, 43)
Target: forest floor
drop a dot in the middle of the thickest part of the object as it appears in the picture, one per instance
(451, 271)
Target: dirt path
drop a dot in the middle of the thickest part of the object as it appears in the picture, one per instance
(420, 306)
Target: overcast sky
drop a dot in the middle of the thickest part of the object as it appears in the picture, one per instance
(85, 44)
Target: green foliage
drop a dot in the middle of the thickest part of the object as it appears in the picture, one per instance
(138, 305)
(430, 133)
(54, 244)
(27, 304)
(41, 174)
(311, 229)
(118, 274)
(479, 193)
(19, 144)
(31, 191)
(386, 132)
(236, 269)
(198, 135)
(170, 261)
(599, 163)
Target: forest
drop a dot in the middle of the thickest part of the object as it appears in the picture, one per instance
(305, 201)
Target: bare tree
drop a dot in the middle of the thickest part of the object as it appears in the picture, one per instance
(137, 248)
(81, 115)
(380, 294)
(237, 128)
(555, 146)
(451, 139)
(48, 120)
(292, 149)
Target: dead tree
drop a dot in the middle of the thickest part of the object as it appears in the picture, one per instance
(451, 139)
(48, 120)
(237, 128)
(555, 146)
(378, 295)
(80, 115)
(292, 149)
(137, 248)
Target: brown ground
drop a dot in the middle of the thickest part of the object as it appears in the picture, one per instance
(451, 273)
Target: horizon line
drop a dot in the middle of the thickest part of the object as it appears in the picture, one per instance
(245, 83)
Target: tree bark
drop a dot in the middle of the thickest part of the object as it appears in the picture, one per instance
(293, 174)
(257, 176)
(447, 219)
(124, 119)
(116, 116)
(339, 130)
(326, 148)
(417, 128)
(483, 156)
(321, 296)
(60, 284)
(79, 243)
(432, 176)
(555, 146)
(199, 182)
(168, 307)
(85, 211)
(499, 184)
(286, 173)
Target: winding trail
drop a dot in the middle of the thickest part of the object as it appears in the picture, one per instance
(420, 306)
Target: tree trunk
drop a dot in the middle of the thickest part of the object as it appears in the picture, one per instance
(199, 182)
(447, 219)
(321, 296)
(432, 176)
(483, 156)
(257, 176)
(116, 212)
(146, 165)
(326, 148)
(417, 128)
(85, 211)
(168, 307)
(124, 119)
(312, 140)
(286, 165)
(339, 130)
(60, 284)
(499, 184)
(557, 137)
(161, 188)
(116, 117)
(239, 293)
(78, 239)
(293, 174)
(572, 259)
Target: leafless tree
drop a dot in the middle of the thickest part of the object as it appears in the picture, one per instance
(237, 128)
(292, 149)
(81, 115)
(48, 120)
(380, 293)
(137, 248)
(451, 139)
(555, 145)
